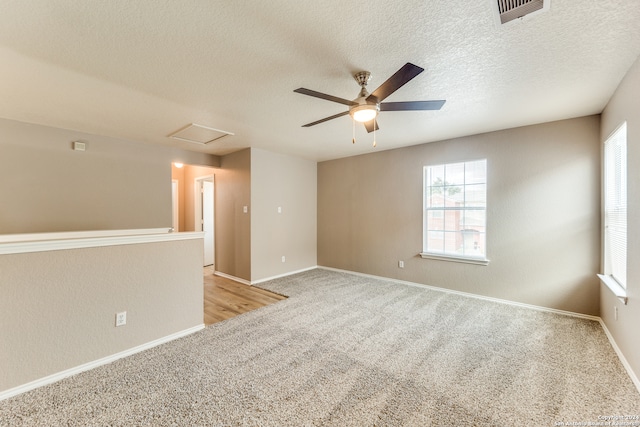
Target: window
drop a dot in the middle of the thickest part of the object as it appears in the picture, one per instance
(615, 206)
(454, 217)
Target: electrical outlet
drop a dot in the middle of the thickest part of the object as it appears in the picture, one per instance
(283, 258)
(401, 264)
(121, 318)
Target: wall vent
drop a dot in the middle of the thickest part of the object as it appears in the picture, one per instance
(199, 134)
(515, 9)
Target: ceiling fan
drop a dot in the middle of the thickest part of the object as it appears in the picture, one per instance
(366, 106)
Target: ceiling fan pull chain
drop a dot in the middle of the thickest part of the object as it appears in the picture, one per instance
(353, 141)
(374, 132)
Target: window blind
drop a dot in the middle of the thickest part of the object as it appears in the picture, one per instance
(615, 205)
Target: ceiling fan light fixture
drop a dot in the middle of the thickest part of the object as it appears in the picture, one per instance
(365, 108)
(364, 113)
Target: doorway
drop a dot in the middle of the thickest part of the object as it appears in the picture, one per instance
(193, 189)
(204, 215)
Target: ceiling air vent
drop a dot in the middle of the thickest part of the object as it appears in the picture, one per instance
(514, 9)
(199, 134)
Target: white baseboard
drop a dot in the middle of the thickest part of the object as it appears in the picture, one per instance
(234, 278)
(266, 279)
(87, 366)
(291, 273)
(623, 360)
(468, 294)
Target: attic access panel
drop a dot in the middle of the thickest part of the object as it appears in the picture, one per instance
(510, 10)
(199, 134)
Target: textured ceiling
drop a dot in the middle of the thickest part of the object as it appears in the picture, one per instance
(141, 70)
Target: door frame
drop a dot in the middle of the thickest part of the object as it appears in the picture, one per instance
(197, 198)
(175, 205)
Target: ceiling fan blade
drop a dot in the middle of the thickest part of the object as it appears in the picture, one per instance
(370, 125)
(324, 96)
(395, 82)
(335, 116)
(412, 105)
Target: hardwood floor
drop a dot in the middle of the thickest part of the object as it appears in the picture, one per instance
(225, 298)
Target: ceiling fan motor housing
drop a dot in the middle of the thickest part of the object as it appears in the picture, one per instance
(362, 78)
(365, 110)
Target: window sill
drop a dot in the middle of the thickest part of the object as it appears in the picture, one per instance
(477, 261)
(614, 286)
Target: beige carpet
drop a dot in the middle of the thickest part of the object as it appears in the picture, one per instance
(345, 350)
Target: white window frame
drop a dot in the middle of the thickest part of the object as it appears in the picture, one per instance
(614, 201)
(450, 256)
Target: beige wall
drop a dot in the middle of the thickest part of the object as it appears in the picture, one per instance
(46, 186)
(543, 214)
(232, 225)
(57, 308)
(623, 106)
(250, 245)
(289, 183)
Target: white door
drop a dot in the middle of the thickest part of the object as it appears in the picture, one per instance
(206, 219)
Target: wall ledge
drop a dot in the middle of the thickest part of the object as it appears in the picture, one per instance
(44, 242)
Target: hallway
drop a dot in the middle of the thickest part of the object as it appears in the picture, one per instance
(225, 298)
